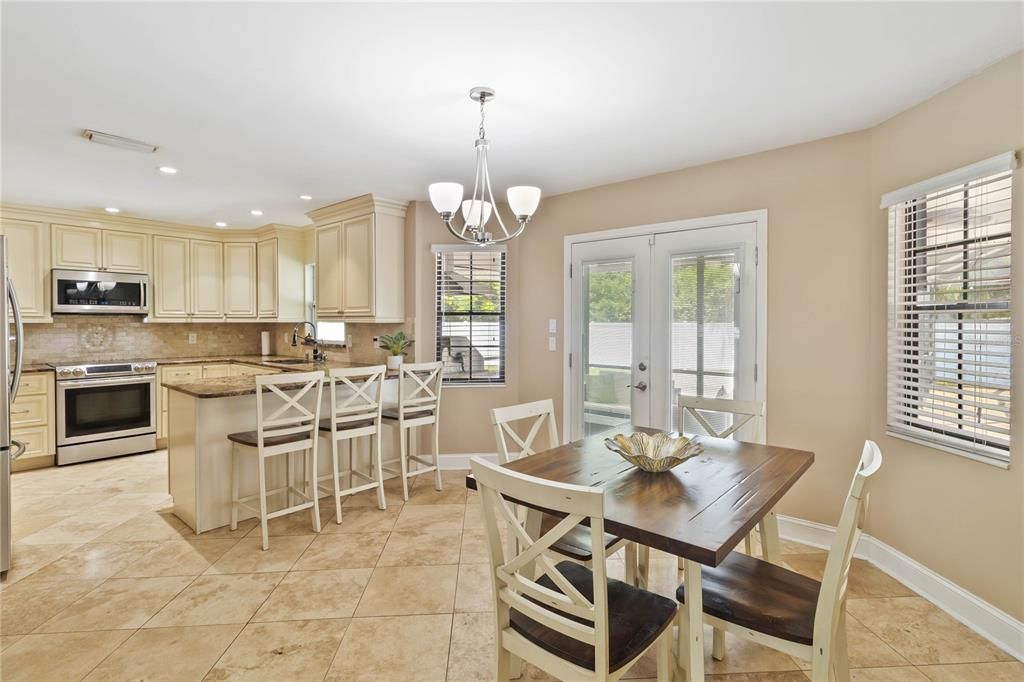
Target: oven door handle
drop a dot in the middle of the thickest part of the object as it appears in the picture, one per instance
(109, 381)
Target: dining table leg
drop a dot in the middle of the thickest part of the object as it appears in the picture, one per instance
(771, 546)
(691, 624)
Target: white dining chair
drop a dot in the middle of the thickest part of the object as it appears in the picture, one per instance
(570, 621)
(419, 404)
(533, 419)
(739, 413)
(773, 606)
(356, 399)
(285, 424)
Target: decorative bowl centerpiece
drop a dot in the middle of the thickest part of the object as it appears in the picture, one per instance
(654, 453)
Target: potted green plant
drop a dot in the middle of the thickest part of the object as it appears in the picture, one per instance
(397, 345)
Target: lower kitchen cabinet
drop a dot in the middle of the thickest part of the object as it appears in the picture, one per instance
(33, 421)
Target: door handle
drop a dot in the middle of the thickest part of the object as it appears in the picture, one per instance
(640, 386)
(19, 449)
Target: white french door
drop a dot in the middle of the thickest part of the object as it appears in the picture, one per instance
(655, 315)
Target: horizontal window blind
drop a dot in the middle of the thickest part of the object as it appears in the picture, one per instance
(470, 286)
(949, 332)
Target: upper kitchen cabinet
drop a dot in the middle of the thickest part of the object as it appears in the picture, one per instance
(360, 260)
(207, 279)
(188, 279)
(28, 259)
(89, 248)
(239, 280)
(280, 267)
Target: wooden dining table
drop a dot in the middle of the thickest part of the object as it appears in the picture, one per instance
(698, 511)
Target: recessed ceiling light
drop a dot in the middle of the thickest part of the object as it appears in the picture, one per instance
(220, 224)
(256, 211)
(169, 170)
(111, 209)
(305, 197)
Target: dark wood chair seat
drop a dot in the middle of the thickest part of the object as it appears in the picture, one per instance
(392, 413)
(635, 619)
(761, 596)
(325, 424)
(576, 543)
(250, 438)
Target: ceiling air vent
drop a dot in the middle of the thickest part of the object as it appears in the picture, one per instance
(118, 141)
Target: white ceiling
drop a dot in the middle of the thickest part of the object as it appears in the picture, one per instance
(258, 103)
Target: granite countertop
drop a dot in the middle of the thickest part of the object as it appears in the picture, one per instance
(35, 367)
(226, 387)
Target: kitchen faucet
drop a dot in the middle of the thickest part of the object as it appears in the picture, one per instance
(307, 340)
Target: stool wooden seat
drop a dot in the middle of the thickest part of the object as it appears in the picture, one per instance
(356, 398)
(285, 424)
(419, 404)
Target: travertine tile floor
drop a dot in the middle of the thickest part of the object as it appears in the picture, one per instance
(108, 585)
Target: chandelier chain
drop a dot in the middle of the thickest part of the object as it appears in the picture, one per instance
(483, 135)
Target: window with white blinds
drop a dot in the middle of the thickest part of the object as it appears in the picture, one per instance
(470, 288)
(949, 332)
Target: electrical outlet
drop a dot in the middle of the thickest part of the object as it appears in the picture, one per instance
(376, 340)
(348, 341)
(192, 338)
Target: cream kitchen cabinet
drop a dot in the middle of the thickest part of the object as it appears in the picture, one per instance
(217, 371)
(328, 270)
(32, 421)
(240, 280)
(360, 259)
(88, 248)
(188, 279)
(28, 262)
(206, 279)
(171, 373)
(238, 370)
(281, 278)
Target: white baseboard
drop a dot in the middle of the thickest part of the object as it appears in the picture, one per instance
(461, 461)
(995, 625)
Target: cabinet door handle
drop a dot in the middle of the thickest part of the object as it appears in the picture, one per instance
(19, 411)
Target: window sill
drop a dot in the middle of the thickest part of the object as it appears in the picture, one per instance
(991, 461)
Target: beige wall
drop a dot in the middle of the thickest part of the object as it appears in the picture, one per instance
(826, 319)
(961, 518)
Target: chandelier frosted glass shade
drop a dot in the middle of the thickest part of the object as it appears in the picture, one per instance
(445, 196)
(471, 212)
(523, 200)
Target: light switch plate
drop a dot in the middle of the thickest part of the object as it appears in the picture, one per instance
(552, 343)
(552, 326)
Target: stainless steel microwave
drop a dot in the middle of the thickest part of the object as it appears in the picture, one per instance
(104, 293)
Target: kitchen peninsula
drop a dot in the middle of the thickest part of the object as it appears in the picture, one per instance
(201, 414)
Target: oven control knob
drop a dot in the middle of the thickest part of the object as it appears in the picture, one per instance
(78, 371)
(136, 368)
(65, 372)
(151, 367)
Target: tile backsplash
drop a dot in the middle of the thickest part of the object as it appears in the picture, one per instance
(122, 337)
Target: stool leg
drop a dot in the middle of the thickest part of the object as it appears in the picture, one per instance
(376, 456)
(437, 456)
(402, 433)
(263, 502)
(337, 485)
(289, 481)
(314, 493)
(234, 486)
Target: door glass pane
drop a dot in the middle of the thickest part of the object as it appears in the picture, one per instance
(608, 345)
(705, 330)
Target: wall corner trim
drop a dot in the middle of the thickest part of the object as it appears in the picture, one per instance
(995, 625)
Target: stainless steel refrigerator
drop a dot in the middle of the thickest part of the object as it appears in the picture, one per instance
(10, 363)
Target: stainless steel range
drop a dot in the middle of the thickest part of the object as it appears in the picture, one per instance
(105, 410)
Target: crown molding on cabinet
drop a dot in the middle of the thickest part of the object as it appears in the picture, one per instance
(358, 206)
(154, 227)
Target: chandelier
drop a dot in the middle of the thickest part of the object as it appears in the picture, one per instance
(477, 210)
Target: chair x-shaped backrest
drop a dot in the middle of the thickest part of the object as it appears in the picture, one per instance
(503, 418)
(356, 395)
(419, 388)
(290, 416)
(741, 410)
